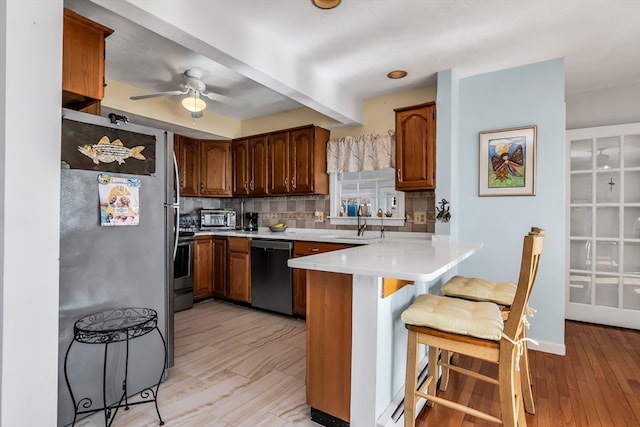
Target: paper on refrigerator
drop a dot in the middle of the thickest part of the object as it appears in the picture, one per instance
(119, 200)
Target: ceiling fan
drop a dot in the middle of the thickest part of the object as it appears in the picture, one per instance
(192, 93)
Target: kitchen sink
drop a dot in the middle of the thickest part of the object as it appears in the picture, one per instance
(359, 237)
(345, 237)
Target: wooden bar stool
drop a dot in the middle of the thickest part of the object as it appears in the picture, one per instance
(501, 293)
(476, 329)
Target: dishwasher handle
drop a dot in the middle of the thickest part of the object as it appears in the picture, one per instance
(285, 245)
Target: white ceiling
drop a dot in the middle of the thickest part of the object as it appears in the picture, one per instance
(279, 54)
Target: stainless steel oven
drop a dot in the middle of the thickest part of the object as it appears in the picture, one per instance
(183, 273)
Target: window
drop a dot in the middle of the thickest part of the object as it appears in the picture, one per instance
(372, 191)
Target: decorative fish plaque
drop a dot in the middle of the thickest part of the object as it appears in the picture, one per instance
(98, 148)
(106, 152)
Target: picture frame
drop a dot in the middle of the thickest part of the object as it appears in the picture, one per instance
(508, 162)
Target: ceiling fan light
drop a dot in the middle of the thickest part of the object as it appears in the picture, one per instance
(194, 104)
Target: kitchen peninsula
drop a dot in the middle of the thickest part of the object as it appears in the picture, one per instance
(356, 342)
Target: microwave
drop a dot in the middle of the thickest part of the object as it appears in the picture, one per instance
(217, 219)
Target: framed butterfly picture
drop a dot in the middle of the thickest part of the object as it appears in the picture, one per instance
(507, 162)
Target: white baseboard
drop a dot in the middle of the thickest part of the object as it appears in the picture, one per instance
(549, 347)
(397, 404)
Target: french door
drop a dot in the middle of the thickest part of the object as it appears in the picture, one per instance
(603, 281)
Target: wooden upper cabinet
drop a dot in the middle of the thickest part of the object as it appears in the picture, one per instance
(416, 147)
(301, 161)
(187, 152)
(83, 58)
(298, 161)
(204, 165)
(240, 167)
(215, 168)
(279, 163)
(259, 166)
(250, 166)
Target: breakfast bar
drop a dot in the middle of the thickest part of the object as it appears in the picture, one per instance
(356, 342)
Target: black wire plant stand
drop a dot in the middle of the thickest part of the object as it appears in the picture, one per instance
(108, 327)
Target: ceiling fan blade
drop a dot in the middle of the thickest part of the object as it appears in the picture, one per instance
(153, 95)
(224, 99)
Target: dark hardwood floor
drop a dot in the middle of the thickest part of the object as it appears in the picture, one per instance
(597, 383)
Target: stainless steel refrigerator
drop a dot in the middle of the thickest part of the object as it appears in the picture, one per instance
(111, 267)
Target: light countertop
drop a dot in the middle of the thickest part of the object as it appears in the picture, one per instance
(408, 256)
(307, 234)
(399, 258)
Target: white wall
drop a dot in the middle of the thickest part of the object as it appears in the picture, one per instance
(527, 95)
(379, 115)
(602, 107)
(447, 178)
(30, 99)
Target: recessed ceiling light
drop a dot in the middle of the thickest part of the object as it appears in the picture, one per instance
(397, 74)
(325, 4)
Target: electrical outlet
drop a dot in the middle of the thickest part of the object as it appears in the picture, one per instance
(319, 216)
(419, 217)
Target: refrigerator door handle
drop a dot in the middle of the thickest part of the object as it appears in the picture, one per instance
(176, 205)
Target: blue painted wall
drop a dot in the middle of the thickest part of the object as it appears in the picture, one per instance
(527, 95)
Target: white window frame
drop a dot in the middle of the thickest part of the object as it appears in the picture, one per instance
(379, 179)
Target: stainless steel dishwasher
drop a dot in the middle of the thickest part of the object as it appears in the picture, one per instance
(271, 278)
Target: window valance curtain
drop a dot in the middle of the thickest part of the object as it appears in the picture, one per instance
(362, 153)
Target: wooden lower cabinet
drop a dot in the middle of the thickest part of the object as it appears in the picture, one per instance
(222, 268)
(202, 267)
(329, 343)
(210, 267)
(239, 264)
(299, 291)
(219, 261)
(302, 248)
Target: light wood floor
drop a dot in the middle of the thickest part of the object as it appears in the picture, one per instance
(236, 366)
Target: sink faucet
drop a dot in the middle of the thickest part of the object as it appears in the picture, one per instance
(363, 226)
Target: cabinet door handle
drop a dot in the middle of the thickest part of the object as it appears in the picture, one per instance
(293, 182)
(201, 186)
(245, 185)
(251, 185)
(286, 183)
(399, 175)
(313, 249)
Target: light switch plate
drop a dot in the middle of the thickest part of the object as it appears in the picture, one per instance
(419, 217)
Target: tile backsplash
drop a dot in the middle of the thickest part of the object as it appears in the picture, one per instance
(299, 211)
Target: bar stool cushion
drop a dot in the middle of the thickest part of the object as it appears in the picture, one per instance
(459, 316)
(480, 290)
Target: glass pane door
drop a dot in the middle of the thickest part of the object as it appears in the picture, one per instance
(603, 282)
